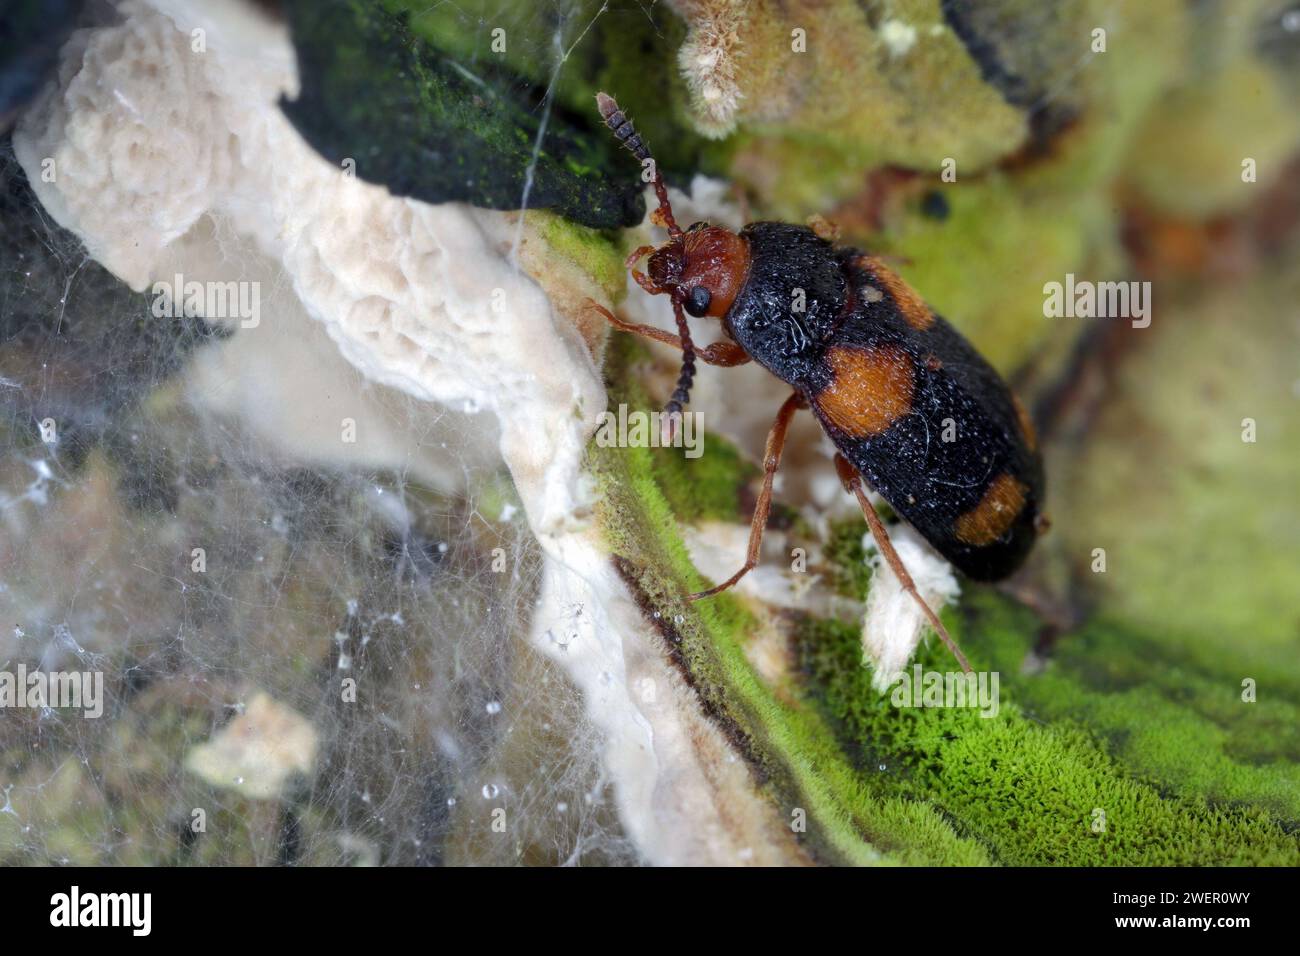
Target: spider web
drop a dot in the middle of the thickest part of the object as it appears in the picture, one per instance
(463, 743)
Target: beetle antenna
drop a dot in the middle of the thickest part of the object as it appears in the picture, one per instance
(626, 134)
(682, 394)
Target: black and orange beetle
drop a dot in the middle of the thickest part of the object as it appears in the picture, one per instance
(911, 406)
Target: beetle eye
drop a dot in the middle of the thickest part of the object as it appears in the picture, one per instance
(697, 301)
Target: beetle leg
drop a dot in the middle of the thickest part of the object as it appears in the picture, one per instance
(726, 354)
(853, 483)
(771, 461)
(645, 282)
(636, 254)
(719, 353)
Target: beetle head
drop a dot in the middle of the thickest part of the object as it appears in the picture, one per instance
(705, 266)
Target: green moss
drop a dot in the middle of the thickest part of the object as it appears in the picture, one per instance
(696, 489)
(1030, 790)
(846, 558)
(1167, 721)
(707, 487)
(594, 252)
(1183, 771)
(1178, 770)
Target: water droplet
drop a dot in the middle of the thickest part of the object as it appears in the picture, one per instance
(493, 707)
(490, 790)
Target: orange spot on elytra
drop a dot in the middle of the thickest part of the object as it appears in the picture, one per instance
(871, 389)
(994, 515)
(910, 305)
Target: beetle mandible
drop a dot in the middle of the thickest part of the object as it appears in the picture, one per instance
(888, 379)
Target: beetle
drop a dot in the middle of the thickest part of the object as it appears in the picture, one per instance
(913, 409)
